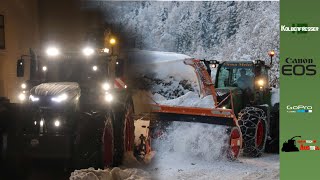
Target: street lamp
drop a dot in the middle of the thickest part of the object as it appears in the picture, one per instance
(271, 54)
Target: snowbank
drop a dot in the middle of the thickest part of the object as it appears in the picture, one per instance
(110, 174)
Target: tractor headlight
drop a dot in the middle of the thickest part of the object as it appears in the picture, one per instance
(56, 123)
(22, 97)
(261, 82)
(88, 51)
(52, 51)
(34, 98)
(106, 86)
(108, 97)
(60, 98)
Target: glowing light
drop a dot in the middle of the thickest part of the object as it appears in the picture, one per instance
(52, 51)
(23, 86)
(108, 97)
(57, 123)
(22, 97)
(41, 123)
(106, 86)
(94, 68)
(44, 68)
(113, 41)
(60, 98)
(88, 51)
(106, 50)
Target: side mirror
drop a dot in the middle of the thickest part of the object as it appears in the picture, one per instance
(20, 67)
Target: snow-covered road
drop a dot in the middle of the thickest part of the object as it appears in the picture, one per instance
(265, 167)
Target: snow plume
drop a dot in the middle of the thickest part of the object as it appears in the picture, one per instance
(184, 141)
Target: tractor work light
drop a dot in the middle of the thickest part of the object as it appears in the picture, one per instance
(52, 51)
(261, 82)
(23, 86)
(271, 53)
(41, 123)
(108, 97)
(33, 98)
(106, 86)
(94, 68)
(113, 41)
(56, 123)
(88, 51)
(60, 98)
(105, 50)
(22, 97)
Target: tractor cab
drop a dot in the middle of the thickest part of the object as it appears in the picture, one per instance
(246, 80)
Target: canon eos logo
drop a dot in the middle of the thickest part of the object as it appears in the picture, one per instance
(299, 67)
(299, 109)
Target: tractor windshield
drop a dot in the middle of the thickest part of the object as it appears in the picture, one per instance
(236, 75)
(81, 71)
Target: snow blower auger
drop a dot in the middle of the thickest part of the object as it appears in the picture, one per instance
(242, 102)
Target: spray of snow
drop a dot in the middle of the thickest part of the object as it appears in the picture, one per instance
(184, 140)
(190, 99)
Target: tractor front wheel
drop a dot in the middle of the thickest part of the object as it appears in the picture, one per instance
(252, 122)
(119, 134)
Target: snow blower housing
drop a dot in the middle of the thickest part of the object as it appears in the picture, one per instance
(241, 97)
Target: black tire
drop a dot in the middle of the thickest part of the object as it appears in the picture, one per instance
(120, 136)
(88, 146)
(272, 145)
(252, 122)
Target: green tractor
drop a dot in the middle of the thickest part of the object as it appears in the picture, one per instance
(248, 82)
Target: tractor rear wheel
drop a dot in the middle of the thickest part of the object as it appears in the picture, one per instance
(252, 122)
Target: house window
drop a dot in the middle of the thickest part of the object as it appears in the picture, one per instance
(2, 42)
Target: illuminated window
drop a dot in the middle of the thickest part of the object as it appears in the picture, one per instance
(2, 42)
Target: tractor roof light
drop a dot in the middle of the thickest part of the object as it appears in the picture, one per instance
(52, 51)
(88, 51)
(113, 41)
(271, 53)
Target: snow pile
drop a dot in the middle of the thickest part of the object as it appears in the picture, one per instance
(275, 96)
(190, 99)
(110, 174)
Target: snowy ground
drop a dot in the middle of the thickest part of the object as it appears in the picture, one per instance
(189, 150)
